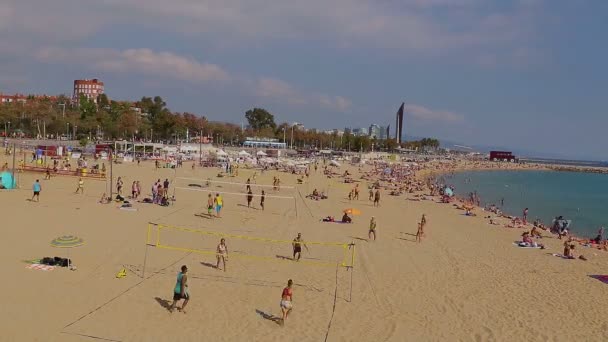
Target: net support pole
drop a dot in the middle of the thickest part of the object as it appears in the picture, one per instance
(143, 270)
(14, 155)
(295, 204)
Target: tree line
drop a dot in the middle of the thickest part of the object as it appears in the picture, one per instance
(149, 119)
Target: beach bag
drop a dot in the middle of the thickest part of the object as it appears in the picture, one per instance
(48, 261)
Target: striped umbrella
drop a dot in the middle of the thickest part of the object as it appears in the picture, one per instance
(67, 241)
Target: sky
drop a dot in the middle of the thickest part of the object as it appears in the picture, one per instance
(526, 74)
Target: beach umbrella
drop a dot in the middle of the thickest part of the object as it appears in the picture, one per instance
(449, 192)
(261, 154)
(334, 163)
(352, 211)
(69, 242)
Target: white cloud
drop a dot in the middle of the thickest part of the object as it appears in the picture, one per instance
(144, 61)
(280, 90)
(423, 114)
(417, 27)
(172, 66)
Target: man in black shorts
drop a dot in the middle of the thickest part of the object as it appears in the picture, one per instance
(297, 246)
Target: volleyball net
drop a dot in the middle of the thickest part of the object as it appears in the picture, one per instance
(280, 201)
(204, 242)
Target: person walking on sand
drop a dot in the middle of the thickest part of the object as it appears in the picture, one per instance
(419, 233)
(222, 254)
(371, 194)
(219, 203)
(286, 301)
(262, 199)
(249, 198)
(119, 186)
(372, 229)
(297, 247)
(423, 221)
(377, 198)
(181, 290)
(525, 216)
(37, 188)
(80, 187)
(210, 205)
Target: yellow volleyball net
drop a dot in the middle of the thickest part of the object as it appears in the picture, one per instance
(332, 254)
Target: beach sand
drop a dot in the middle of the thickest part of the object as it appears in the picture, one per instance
(465, 282)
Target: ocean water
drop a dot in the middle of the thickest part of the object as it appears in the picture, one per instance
(580, 197)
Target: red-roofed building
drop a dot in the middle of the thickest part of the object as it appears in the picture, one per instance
(89, 88)
(12, 98)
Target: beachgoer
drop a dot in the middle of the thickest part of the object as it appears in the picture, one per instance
(262, 199)
(37, 188)
(372, 228)
(119, 186)
(166, 187)
(134, 190)
(181, 290)
(219, 203)
(286, 301)
(525, 216)
(80, 187)
(377, 198)
(48, 173)
(249, 198)
(297, 247)
(346, 218)
(210, 205)
(423, 221)
(419, 233)
(371, 194)
(222, 254)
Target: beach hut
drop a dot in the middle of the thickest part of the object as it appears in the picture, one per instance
(244, 154)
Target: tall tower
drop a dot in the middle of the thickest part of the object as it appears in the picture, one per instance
(399, 123)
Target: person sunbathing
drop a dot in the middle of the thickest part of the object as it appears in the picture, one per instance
(329, 219)
(105, 199)
(535, 233)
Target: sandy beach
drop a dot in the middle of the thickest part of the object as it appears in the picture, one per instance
(466, 281)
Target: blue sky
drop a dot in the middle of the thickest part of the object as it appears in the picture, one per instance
(527, 74)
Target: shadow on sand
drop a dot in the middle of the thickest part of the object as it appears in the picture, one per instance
(163, 302)
(208, 264)
(269, 317)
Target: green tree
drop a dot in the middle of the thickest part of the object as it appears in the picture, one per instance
(87, 106)
(259, 118)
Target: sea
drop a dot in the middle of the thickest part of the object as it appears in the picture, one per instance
(579, 197)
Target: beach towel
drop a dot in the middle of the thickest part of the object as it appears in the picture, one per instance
(520, 245)
(40, 267)
(128, 208)
(562, 256)
(602, 278)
